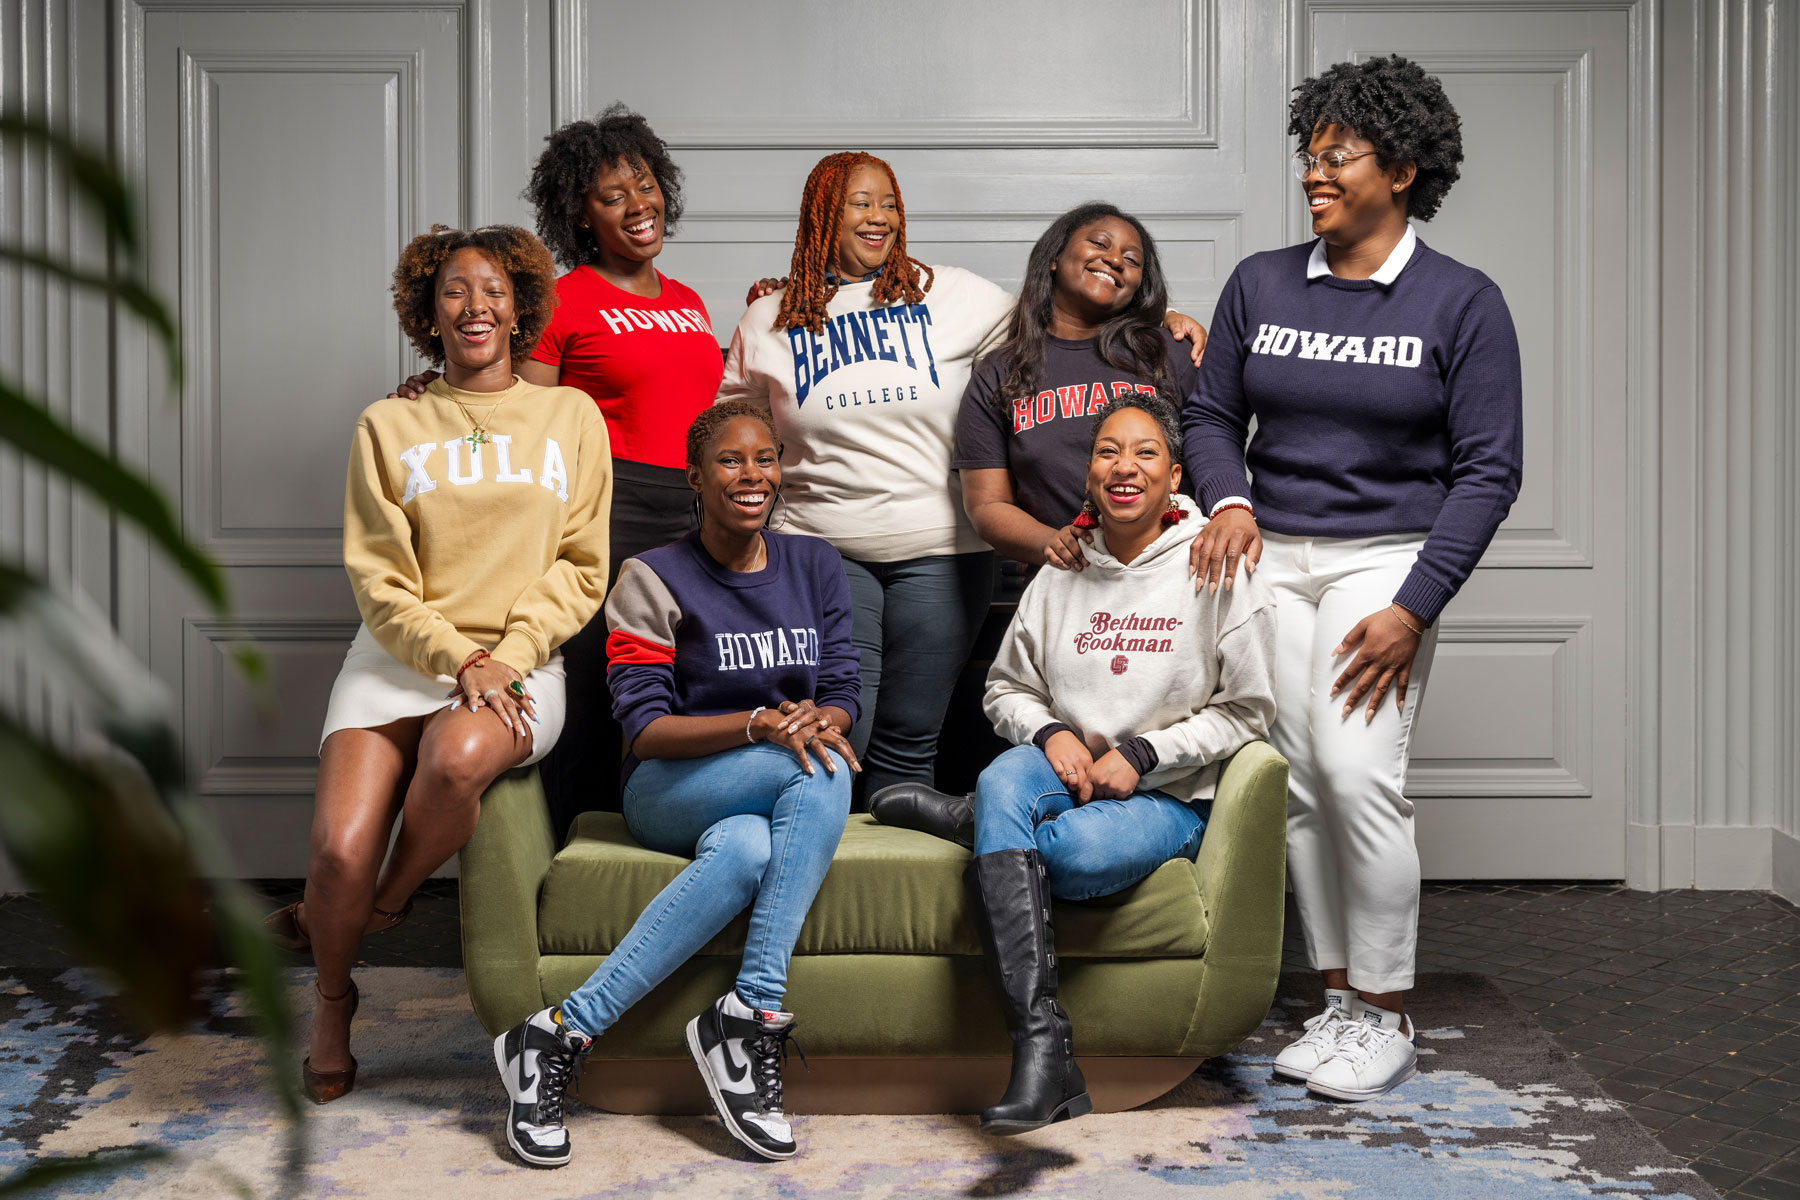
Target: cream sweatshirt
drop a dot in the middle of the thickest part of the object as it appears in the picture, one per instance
(453, 547)
(1118, 651)
(867, 412)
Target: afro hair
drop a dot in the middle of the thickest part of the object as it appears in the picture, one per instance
(1395, 105)
(571, 162)
(526, 263)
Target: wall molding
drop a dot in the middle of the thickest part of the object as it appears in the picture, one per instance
(1195, 127)
(1569, 771)
(1716, 644)
(216, 771)
(202, 501)
(1785, 865)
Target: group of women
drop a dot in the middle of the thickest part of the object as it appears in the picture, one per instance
(793, 550)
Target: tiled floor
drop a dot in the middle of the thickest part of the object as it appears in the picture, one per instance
(1685, 1005)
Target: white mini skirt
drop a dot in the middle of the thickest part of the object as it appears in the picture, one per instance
(374, 688)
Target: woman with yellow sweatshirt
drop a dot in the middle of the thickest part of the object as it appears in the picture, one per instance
(475, 537)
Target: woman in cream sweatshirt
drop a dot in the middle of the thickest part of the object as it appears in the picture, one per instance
(1121, 689)
(475, 541)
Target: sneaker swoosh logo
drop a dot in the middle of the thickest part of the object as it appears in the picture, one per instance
(724, 1066)
(733, 1071)
(526, 1082)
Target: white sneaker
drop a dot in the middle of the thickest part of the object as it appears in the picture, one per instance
(1374, 1056)
(1319, 1042)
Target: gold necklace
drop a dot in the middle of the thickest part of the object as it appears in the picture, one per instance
(480, 435)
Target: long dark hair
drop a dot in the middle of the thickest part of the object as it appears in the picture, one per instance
(1131, 341)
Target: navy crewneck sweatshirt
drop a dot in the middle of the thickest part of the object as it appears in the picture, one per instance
(1380, 409)
(690, 637)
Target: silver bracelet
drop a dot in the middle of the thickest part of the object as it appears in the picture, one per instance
(752, 721)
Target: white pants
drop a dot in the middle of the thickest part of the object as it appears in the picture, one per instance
(1350, 851)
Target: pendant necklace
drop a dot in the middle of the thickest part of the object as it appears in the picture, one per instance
(479, 436)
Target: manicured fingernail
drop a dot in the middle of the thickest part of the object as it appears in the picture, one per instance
(456, 706)
(1228, 583)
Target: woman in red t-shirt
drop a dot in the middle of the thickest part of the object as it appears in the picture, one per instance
(641, 344)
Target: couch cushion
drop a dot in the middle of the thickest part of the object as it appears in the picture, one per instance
(889, 891)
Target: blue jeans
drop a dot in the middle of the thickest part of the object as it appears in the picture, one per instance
(762, 833)
(914, 625)
(1094, 850)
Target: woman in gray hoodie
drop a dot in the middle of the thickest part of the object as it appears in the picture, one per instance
(1121, 689)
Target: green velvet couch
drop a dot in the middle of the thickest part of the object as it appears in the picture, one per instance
(895, 1010)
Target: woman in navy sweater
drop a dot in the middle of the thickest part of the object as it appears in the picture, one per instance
(735, 682)
(1384, 381)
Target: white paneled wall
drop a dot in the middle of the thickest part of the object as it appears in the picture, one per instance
(1616, 688)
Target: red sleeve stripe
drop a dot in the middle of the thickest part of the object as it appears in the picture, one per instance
(623, 648)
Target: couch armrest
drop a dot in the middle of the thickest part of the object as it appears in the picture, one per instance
(1243, 882)
(503, 868)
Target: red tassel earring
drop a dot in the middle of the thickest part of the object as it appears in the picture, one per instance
(1088, 517)
(1174, 512)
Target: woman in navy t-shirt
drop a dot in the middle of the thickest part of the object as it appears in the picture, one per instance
(1088, 327)
(1383, 378)
(735, 681)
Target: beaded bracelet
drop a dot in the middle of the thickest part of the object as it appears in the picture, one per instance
(1396, 610)
(1229, 507)
(752, 721)
(479, 656)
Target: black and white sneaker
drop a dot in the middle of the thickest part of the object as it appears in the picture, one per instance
(536, 1059)
(739, 1050)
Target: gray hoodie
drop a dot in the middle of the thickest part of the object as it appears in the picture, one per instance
(1118, 651)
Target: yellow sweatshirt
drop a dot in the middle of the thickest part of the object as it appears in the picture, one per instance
(453, 548)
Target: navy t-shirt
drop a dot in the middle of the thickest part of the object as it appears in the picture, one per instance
(1379, 409)
(1043, 439)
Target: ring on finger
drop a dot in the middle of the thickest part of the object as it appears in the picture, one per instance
(490, 692)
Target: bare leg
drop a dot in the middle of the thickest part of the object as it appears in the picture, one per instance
(460, 754)
(1339, 979)
(360, 772)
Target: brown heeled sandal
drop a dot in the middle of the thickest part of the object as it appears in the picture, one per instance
(285, 930)
(322, 1087)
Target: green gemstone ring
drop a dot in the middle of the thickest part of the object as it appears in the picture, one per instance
(516, 687)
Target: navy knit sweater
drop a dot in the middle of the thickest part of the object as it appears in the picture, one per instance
(689, 637)
(1380, 409)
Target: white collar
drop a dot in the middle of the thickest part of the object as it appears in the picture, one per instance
(1390, 270)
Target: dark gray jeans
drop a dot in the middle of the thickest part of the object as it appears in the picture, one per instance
(915, 622)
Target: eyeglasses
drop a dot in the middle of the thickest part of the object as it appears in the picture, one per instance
(1328, 164)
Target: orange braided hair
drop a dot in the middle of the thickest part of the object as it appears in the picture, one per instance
(815, 243)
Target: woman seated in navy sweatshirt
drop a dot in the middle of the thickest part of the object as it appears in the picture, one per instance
(735, 682)
(1383, 378)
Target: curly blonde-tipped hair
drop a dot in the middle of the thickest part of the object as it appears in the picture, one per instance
(515, 251)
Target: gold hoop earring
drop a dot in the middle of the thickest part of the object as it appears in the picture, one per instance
(434, 331)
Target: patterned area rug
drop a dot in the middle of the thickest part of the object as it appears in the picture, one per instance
(1498, 1111)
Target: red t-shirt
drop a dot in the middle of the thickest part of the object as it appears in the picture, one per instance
(651, 365)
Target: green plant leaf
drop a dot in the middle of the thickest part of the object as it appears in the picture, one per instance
(49, 1172)
(127, 289)
(261, 978)
(41, 436)
(101, 850)
(96, 179)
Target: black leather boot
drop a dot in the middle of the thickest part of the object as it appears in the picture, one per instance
(915, 806)
(1012, 908)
